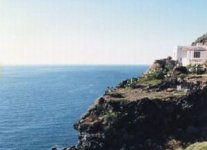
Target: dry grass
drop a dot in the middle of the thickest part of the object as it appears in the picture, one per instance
(197, 146)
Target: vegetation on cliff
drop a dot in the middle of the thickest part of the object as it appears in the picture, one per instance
(163, 109)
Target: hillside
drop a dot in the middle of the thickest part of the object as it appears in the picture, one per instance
(202, 39)
(163, 109)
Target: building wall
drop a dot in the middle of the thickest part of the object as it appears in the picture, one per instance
(201, 60)
(179, 54)
(202, 56)
(186, 57)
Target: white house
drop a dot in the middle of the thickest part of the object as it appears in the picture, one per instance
(186, 55)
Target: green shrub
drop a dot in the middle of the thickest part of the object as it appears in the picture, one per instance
(196, 69)
(156, 74)
(129, 83)
(169, 67)
(149, 81)
(110, 116)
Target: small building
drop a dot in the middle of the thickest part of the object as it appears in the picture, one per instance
(185, 55)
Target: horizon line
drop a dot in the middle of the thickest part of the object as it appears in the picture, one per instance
(73, 64)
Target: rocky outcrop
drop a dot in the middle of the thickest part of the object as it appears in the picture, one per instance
(149, 122)
(144, 124)
(148, 113)
(202, 40)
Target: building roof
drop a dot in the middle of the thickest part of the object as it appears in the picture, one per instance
(194, 48)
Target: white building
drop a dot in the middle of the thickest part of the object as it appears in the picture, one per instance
(186, 55)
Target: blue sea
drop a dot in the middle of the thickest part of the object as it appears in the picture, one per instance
(39, 104)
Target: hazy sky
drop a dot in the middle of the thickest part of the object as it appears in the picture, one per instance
(97, 31)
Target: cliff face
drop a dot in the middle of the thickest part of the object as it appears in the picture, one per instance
(145, 123)
(151, 112)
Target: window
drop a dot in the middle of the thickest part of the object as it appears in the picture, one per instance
(197, 54)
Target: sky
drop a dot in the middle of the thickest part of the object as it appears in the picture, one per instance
(97, 31)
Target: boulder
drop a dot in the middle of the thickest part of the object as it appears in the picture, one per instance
(180, 70)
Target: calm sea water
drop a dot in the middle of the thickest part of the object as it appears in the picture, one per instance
(39, 104)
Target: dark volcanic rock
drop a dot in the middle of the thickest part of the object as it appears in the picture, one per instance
(144, 124)
(167, 63)
(202, 40)
(180, 70)
(166, 115)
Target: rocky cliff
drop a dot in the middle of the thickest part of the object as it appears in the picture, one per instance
(163, 109)
(202, 40)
